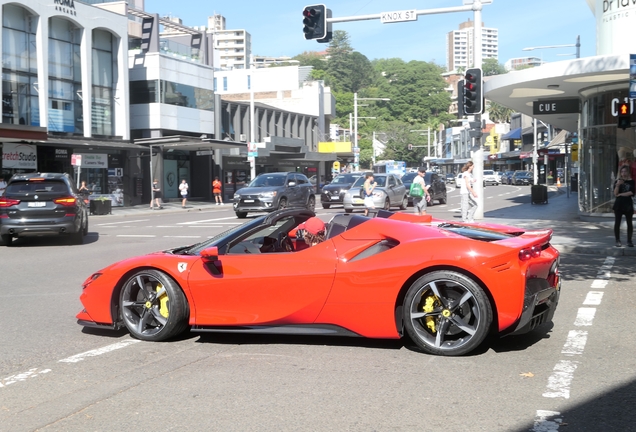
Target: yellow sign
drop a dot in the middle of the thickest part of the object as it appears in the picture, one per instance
(336, 166)
(574, 153)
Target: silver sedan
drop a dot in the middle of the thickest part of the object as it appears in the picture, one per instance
(390, 192)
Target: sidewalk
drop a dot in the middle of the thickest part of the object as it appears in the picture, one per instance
(571, 234)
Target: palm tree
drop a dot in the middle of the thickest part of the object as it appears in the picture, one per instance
(498, 113)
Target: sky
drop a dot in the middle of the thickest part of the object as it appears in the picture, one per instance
(276, 26)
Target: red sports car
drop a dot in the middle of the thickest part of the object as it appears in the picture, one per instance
(445, 284)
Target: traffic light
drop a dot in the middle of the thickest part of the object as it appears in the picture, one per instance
(315, 22)
(460, 99)
(624, 116)
(473, 92)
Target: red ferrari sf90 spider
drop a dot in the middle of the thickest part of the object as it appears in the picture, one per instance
(445, 284)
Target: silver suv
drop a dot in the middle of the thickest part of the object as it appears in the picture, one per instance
(274, 191)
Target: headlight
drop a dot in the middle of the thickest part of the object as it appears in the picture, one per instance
(267, 194)
(237, 196)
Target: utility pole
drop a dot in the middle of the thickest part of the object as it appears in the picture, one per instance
(478, 154)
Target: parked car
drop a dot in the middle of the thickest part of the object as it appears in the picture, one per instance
(36, 204)
(458, 180)
(450, 178)
(522, 178)
(334, 192)
(274, 191)
(448, 286)
(490, 178)
(437, 187)
(506, 177)
(390, 192)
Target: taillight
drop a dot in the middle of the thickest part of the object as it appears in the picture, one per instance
(8, 202)
(66, 201)
(533, 252)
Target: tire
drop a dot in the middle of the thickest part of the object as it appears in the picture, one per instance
(348, 210)
(241, 215)
(85, 230)
(405, 203)
(282, 204)
(326, 206)
(447, 328)
(311, 203)
(152, 306)
(387, 204)
(442, 200)
(7, 239)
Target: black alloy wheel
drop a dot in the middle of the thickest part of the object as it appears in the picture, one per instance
(447, 313)
(152, 306)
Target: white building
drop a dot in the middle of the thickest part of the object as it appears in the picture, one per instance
(232, 48)
(522, 63)
(460, 45)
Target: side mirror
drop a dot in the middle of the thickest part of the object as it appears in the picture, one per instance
(210, 254)
(291, 183)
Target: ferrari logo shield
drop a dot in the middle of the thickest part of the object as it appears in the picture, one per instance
(182, 267)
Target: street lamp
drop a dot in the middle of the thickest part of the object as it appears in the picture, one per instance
(577, 45)
(355, 120)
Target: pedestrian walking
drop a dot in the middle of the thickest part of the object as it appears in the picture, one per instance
(624, 205)
(156, 190)
(468, 194)
(419, 192)
(369, 186)
(216, 191)
(183, 189)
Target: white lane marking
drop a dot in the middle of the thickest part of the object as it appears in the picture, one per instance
(184, 236)
(584, 317)
(545, 421)
(604, 274)
(598, 284)
(23, 376)
(609, 261)
(206, 220)
(205, 226)
(124, 222)
(593, 298)
(560, 380)
(575, 343)
(99, 351)
(135, 235)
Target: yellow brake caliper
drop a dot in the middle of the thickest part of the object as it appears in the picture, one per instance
(429, 306)
(163, 302)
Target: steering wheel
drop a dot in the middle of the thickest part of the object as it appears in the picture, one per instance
(284, 243)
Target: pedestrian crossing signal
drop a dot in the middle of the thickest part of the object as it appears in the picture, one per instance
(624, 116)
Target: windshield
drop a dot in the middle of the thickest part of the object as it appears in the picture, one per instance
(381, 180)
(408, 177)
(347, 178)
(264, 180)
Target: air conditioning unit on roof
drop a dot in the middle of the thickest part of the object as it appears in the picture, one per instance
(242, 137)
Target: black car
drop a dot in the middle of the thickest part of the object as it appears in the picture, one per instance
(334, 192)
(506, 177)
(42, 204)
(274, 191)
(435, 181)
(522, 178)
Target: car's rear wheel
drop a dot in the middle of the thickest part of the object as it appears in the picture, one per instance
(7, 239)
(447, 313)
(282, 204)
(241, 215)
(311, 203)
(85, 230)
(153, 306)
(405, 203)
(326, 206)
(442, 200)
(77, 237)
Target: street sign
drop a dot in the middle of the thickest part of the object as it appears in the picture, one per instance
(76, 159)
(398, 16)
(205, 152)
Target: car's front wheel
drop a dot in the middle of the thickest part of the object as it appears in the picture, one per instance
(447, 313)
(282, 204)
(326, 206)
(153, 306)
(442, 200)
(387, 204)
(241, 215)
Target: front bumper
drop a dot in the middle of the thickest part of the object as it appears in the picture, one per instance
(327, 197)
(256, 205)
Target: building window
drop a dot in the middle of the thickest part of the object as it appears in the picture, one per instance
(215, 84)
(65, 87)
(249, 82)
(20, 100)
(103, 64)
(224, 83)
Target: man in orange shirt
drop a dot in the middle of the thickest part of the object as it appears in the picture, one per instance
(216, 190)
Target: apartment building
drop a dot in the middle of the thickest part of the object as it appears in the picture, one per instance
(460, 45)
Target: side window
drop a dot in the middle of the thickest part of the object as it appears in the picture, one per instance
(391, 181)
(291, 178)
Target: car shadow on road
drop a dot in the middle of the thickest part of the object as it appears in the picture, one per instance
(52, 240)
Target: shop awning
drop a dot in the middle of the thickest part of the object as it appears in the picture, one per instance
(559, 139)
(514, 134)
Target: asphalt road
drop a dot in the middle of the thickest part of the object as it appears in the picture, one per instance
(577, 375)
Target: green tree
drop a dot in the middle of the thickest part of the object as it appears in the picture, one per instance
(498, 113)
(491, 66)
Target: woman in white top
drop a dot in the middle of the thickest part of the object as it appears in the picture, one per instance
(468, 194)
